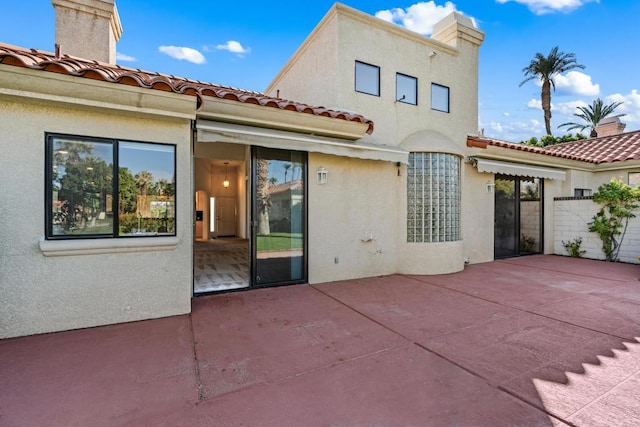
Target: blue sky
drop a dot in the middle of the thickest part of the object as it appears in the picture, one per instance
(245, 43)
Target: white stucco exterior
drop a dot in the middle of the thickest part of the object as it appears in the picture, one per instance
(322, 72)
(57, 285)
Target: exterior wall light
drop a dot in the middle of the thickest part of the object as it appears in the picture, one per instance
(490, 186)
(322, 175)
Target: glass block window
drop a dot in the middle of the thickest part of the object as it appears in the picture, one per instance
(433, 197)
(367, 78)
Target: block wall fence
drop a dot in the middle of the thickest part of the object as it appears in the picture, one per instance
(571, 216)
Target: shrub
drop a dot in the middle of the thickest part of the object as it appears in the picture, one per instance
(618, 202)
(573, 247)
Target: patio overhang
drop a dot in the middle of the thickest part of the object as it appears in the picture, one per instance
(212, 131)
(516, 169)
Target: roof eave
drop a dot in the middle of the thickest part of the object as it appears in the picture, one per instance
(230, 111)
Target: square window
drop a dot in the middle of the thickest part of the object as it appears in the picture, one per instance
(439, 98)
(105, 188)
(634, 178)
(367, 78)
(406, 89)
(581, 192)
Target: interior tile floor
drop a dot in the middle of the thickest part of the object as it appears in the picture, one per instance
(220, 264)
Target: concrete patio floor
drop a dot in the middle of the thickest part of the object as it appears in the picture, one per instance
(532, 341)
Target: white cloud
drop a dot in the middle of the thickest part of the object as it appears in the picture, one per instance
(574, 83)
(570, 108)
(123, 57)
(536, 104)
(184, 53)
(233, 47)
(419, 17)
(513, 131)
(542, 7)
(630, 106)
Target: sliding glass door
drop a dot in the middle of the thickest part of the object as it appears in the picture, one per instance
(518, 216)
(279, 217)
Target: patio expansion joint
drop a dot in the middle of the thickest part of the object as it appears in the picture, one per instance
(435, 353)
(535, 405)
(196, 363)
(507, 261)
(522, 309)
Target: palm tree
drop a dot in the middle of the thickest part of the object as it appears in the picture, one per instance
(546, 68)
(144, 179)
(592, 115)
(273, 181)
(286, 167)
(263, 198)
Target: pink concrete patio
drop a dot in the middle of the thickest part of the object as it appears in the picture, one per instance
(532, 341)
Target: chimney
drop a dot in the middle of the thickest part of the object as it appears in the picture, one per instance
(88, 29)
(455, 28)
(610, 126)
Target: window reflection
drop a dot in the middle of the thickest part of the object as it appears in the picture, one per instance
(82, 188)
(146, 188)
(82, 193)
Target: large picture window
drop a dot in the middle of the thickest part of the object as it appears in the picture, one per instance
(102, 188)
(433, 197)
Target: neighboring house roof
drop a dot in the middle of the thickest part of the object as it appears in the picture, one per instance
(65, 64)
(286, 186)
(606, 149)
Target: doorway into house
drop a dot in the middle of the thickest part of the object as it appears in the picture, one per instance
(518, 216)
(250, 217)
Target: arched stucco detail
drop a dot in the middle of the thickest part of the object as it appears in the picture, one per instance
(431, 141)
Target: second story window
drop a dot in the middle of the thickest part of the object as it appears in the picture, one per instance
(406, 89)
(367, 78)
(439, 98)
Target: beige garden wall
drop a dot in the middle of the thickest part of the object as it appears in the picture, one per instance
(59, 285)
(572, 217)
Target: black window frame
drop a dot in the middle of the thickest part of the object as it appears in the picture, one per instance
(50, 137)
(355, 80)
(399, 98)
(448, 110)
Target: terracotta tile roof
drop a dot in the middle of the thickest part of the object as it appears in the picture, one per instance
(286, 186)
(606, 149)
(65, 64)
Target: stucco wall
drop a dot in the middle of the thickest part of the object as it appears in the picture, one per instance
(571, 219)
(41, 293)
(352, 218)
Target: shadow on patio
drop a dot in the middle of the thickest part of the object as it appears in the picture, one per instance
(528, 341)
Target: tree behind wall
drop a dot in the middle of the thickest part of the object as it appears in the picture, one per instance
(619, 201)
(591, 116)
(546, 68)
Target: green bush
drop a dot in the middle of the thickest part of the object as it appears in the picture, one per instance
(573, 247)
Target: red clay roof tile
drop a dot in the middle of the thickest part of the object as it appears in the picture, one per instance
(40, 60)
(606, 149)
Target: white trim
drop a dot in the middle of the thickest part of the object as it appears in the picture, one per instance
(211, 131)
(517, 169)
(106, 246)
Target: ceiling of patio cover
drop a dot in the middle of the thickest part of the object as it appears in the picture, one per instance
(518, 169)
